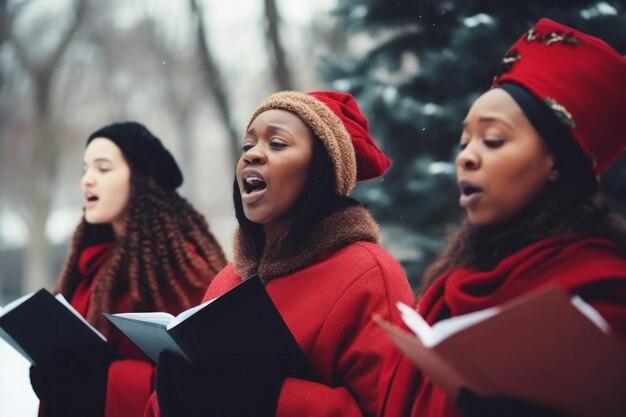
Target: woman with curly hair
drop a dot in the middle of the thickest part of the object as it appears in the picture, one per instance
(532, 149)
(140, 246)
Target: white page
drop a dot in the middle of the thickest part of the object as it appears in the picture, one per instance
(416, 324)
(591, 313)
(187, 313)
(446, 328)
(63, 301)
(161, 318)
(430, 336)
(157, 317)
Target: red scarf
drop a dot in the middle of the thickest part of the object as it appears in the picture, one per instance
(89, 264)
(591, 267)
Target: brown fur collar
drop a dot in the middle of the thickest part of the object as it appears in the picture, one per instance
(334, 232)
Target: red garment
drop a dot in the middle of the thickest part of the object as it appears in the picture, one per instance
(328, 307)
(592, 112)
(593, 268)
(131, 375)
(371, 162)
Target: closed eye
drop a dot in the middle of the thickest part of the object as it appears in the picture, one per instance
(493, 143)
(277, 144)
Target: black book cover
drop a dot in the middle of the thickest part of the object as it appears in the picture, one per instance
(41, 325)
(240, 326)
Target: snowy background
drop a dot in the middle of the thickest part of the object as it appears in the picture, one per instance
(99, 79)
(17, 398)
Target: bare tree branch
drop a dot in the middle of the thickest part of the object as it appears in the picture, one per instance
(53, 60)
(48, 65)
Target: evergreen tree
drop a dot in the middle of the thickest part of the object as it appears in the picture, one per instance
(430, 61)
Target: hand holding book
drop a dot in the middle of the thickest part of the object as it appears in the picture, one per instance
(72, 381)
(242, 323)
(251, 388)
(230, 354)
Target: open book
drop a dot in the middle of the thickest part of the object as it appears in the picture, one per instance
(541, 347)
(241, 324)
(39, 324)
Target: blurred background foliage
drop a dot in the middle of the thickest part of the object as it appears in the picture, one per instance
(192, 70)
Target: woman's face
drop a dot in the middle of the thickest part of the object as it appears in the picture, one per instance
(105, 184)
(272, 170)
(503, 164)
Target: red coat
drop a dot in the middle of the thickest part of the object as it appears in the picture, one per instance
(131, 375)
(327, 300)
(593, 268)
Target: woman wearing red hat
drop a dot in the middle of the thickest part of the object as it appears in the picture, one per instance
(531, 150)
(139, 246)
(317, 252)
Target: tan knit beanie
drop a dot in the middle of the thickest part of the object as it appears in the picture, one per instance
(336, 120)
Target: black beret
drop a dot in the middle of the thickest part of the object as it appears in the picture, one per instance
(143, 151)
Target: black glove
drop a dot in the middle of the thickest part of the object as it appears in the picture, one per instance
(251, 389)
(471, 405)
(72, 382)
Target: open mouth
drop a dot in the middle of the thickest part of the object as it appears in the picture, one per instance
(253, 183)
(470, 193)
(91, 198)
(254, 186)
(469, 190)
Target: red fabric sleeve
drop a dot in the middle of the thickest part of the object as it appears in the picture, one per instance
(356, 349)
(152, 408)
(304, 398)
(129, 388)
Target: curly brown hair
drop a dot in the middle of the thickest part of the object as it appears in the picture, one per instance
(152, 257)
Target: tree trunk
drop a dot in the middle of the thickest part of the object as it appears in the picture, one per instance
(181, 108)
(215, 82)
(282, 75)
(36, 265)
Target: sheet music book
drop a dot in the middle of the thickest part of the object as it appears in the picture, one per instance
(38, 324)
(542, 347)
(240, 325)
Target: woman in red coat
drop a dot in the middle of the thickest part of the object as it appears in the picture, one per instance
(317, 252)
(532, 149)
(139, 247)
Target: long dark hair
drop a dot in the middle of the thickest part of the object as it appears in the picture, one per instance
(152, 256)
(319, 199)
(558, 209)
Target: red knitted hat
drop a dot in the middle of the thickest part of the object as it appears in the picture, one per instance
(337, 121)
(580, 78)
